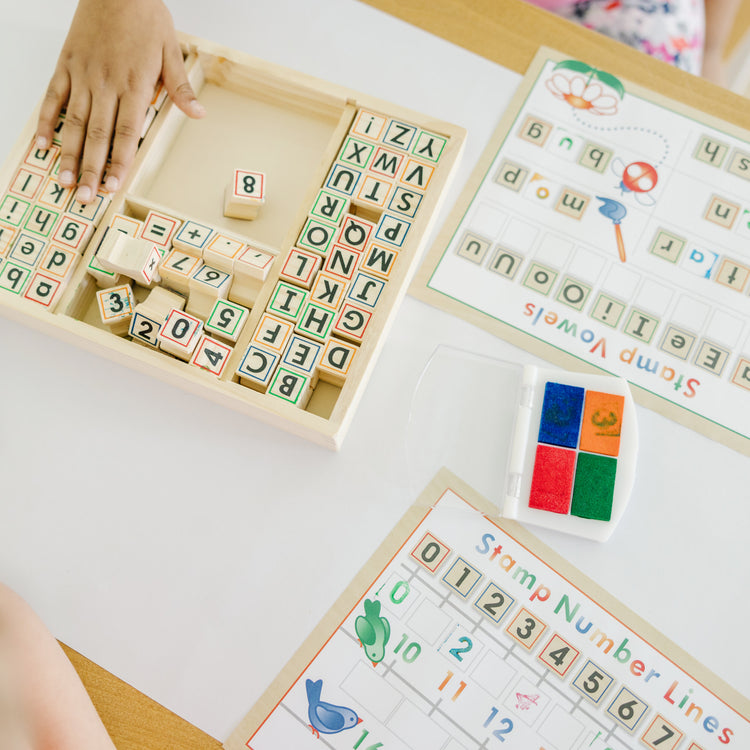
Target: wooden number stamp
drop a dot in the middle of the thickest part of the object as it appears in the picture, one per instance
(245, 195)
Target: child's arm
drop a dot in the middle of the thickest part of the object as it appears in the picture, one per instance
(43, 704)
(114, 54)
(720, 16)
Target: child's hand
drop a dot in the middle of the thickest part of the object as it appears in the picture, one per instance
(115, 53)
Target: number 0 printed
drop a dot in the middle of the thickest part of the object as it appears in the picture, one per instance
(430, 552)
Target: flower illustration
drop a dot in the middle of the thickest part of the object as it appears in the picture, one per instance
(582, 94)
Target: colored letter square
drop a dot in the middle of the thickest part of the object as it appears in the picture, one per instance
(641, 326)
(505, 263)
(405, 201)
(462, 577)
(144, 329)
(526, 628)
(26, 184)
(473, 247)
(343, 179)
(386, 163)
(733, 275)
(317, 235)
(561, 415)
(368, 124)
(494, 603)
(7, 237)
(43, 289)
(711, 152)
(351, 322)
(535, 131)
(430, 552)
(595, 157)
(336, 361)
(593, 682)
(272, 333)
(602, 423)
(429, 146)
(607, 310)
(302, 354)
(511, 175)
(227, 319)
(558, 655)
(290, 386)
(628, 709)
(677, 342)
(540, 279)
(257, 367)
(661, 735)
(115, 303)
(741, 375)
(13, 210)
(192, 236)
(739, 164)
(159, 229)
(711, 357)
(399, 134)
(356, 153)
(573, 293)
(416, 175)
(14, 277)
(722, 212)
(594, 487)
(552, 481)
(330, 206)
(211, 355)
(572, 203)
(667, 245)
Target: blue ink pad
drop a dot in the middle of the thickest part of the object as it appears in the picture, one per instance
(560, 421)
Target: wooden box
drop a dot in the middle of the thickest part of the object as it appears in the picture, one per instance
(313, 142)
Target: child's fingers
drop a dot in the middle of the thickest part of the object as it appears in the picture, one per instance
(53, 102)
(99, 129)
(73, 135)
(178, 86)
(130, 118)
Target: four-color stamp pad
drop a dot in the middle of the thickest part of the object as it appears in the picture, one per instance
(551, 448)
(573, 459)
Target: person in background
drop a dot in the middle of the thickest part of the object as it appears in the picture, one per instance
(43, 704)
(690, 34)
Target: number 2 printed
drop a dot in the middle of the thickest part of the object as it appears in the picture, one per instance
(493, 602)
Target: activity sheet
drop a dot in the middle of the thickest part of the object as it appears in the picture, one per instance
(608, 227)
(464, 631)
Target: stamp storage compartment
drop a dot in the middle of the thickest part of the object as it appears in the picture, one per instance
(296, 130)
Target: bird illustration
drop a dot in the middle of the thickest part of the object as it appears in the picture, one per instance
(373, 631)
(325, 717)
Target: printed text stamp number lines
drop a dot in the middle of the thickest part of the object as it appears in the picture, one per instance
(558, 655)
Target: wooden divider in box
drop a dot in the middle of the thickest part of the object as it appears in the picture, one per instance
(293, 305)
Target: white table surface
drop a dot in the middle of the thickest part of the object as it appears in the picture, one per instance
(197, 588)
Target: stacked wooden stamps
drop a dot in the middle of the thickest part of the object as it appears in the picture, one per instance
(263, 282)
(43, 229)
